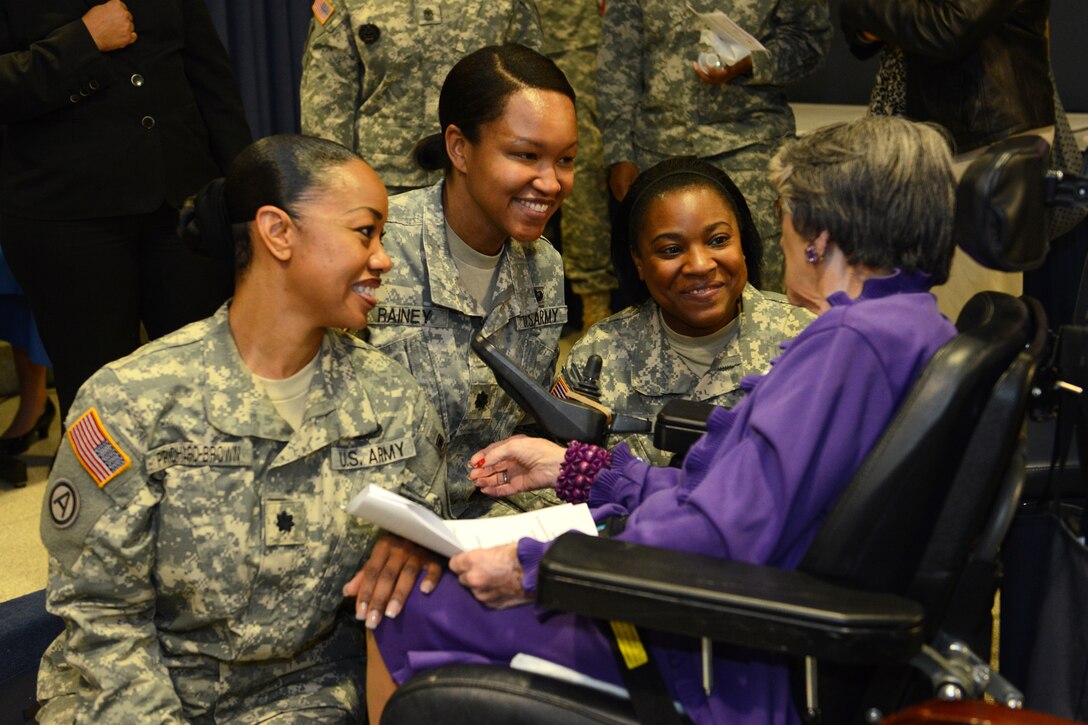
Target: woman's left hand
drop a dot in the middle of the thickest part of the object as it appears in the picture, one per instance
(492, 575)
(383, 584)
(726, 74)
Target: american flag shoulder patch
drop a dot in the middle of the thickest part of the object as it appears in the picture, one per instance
(560, 389)
(323, 9)
(97, 452)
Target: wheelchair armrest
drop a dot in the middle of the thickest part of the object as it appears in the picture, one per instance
(752, 606)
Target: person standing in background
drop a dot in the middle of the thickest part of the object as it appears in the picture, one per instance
(980, 68)
(115, 114)
(654, 105)
(571, 31)
(373, 69)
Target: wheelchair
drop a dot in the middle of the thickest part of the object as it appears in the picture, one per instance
(891, 606)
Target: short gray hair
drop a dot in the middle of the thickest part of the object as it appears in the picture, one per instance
(881, 186)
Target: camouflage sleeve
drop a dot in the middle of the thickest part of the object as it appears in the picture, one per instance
(525, 25)
(619, 78)
(98, 525)
(332, 80)
(797, 45)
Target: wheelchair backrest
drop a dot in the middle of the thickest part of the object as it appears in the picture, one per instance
(875, 535)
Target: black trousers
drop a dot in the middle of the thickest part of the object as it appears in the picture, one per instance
(91, 282)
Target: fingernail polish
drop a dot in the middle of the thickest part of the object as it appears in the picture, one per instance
(360, 612)
(372, 619)
(392, 610)
(427, 587)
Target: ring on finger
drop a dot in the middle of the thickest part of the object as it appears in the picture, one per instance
(505, 477)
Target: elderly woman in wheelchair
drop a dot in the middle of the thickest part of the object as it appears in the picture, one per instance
(866, 211)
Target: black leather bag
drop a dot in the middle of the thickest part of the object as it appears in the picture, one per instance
(1044, 609)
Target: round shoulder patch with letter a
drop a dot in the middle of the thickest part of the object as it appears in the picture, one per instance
(63, 504)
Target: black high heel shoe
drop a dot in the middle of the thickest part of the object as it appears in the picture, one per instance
(15, 446)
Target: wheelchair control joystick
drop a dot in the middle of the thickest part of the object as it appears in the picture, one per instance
(564, 420)
(574, 411)
(591, 373)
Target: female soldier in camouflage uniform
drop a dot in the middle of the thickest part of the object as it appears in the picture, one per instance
(373, 68)
(687, 250)
(194, 518)
(467, 253)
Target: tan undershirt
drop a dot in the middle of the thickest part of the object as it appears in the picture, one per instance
(476, 270)
(699, 352)
(288, 396)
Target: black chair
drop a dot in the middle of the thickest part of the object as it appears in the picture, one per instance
(901, 571)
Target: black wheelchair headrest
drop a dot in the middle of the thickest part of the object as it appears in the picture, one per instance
(999, 205)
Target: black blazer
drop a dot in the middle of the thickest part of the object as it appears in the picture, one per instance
(94, 134)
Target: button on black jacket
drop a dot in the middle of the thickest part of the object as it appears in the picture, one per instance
(977, 67)
(94, 134)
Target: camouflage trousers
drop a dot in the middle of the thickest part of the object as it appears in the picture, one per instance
(323, 684)
(583, 223)
(748, 169)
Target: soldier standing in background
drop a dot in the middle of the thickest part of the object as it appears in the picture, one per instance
(373, 69)
(654, 105)
(571, 30)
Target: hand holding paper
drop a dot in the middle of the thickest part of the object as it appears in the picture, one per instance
(492, 575)
(723, 74)
(731, 45)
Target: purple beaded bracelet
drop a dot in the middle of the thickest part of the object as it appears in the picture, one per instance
(580, 466)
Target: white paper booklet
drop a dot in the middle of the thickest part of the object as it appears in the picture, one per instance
(730, 41)
(406, 518)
